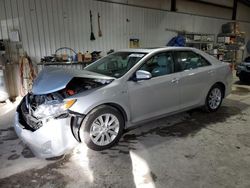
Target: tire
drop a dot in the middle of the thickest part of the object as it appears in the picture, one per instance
(213, 102)
(242, 79)
(99, 135)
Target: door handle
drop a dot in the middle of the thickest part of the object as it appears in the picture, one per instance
(175, 80)
(210, 71)
(191, 74)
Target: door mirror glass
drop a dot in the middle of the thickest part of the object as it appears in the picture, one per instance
(143, 75)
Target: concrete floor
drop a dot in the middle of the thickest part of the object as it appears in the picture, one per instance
(192, 149)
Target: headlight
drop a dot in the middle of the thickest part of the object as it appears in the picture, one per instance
(53, 108)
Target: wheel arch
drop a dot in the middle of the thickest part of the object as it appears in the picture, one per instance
(223, 87)
(119, 108)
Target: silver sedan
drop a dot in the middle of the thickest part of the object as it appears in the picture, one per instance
(119, 91)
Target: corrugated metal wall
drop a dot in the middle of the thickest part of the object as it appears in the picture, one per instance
(46, 25)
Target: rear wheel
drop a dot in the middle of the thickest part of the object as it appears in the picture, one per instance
(102, 128)
(214, 98)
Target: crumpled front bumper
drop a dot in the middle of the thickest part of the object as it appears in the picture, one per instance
(53, 139)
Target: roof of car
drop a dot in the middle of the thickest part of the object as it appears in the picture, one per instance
(153, 49)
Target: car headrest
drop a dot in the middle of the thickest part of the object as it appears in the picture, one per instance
(194, 60)
(162, 60)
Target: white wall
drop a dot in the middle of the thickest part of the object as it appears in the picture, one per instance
(243, 12)
(46, 25)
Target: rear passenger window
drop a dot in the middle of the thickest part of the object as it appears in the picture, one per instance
(187, 60)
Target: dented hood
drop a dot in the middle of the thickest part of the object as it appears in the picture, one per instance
(52, 79)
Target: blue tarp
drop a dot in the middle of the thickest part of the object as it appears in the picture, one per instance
(177, 41)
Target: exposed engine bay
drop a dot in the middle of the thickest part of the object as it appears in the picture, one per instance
(35, 110)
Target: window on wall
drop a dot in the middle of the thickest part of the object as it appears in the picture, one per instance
(187, 60)
(159, 65)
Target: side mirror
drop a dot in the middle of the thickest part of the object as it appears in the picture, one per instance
(143, 75)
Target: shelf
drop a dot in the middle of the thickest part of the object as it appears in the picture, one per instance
(199, 42)
(229, 34)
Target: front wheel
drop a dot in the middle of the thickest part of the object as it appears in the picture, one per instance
(102, 128)
(214, 98)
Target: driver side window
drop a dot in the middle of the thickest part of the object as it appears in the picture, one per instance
(159, 65)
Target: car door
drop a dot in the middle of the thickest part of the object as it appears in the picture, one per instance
(158, 95)
(196, 77)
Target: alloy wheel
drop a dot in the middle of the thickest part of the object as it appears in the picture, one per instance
(215, 98)
(104, 129)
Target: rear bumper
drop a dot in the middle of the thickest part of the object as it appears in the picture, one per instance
(53, 139)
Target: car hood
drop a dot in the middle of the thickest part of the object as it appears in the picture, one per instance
(53, 79)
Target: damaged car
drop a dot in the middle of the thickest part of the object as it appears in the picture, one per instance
(117, 92)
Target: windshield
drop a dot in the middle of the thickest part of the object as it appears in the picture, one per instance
(116, 64)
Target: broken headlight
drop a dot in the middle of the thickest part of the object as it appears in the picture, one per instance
(53, 108)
